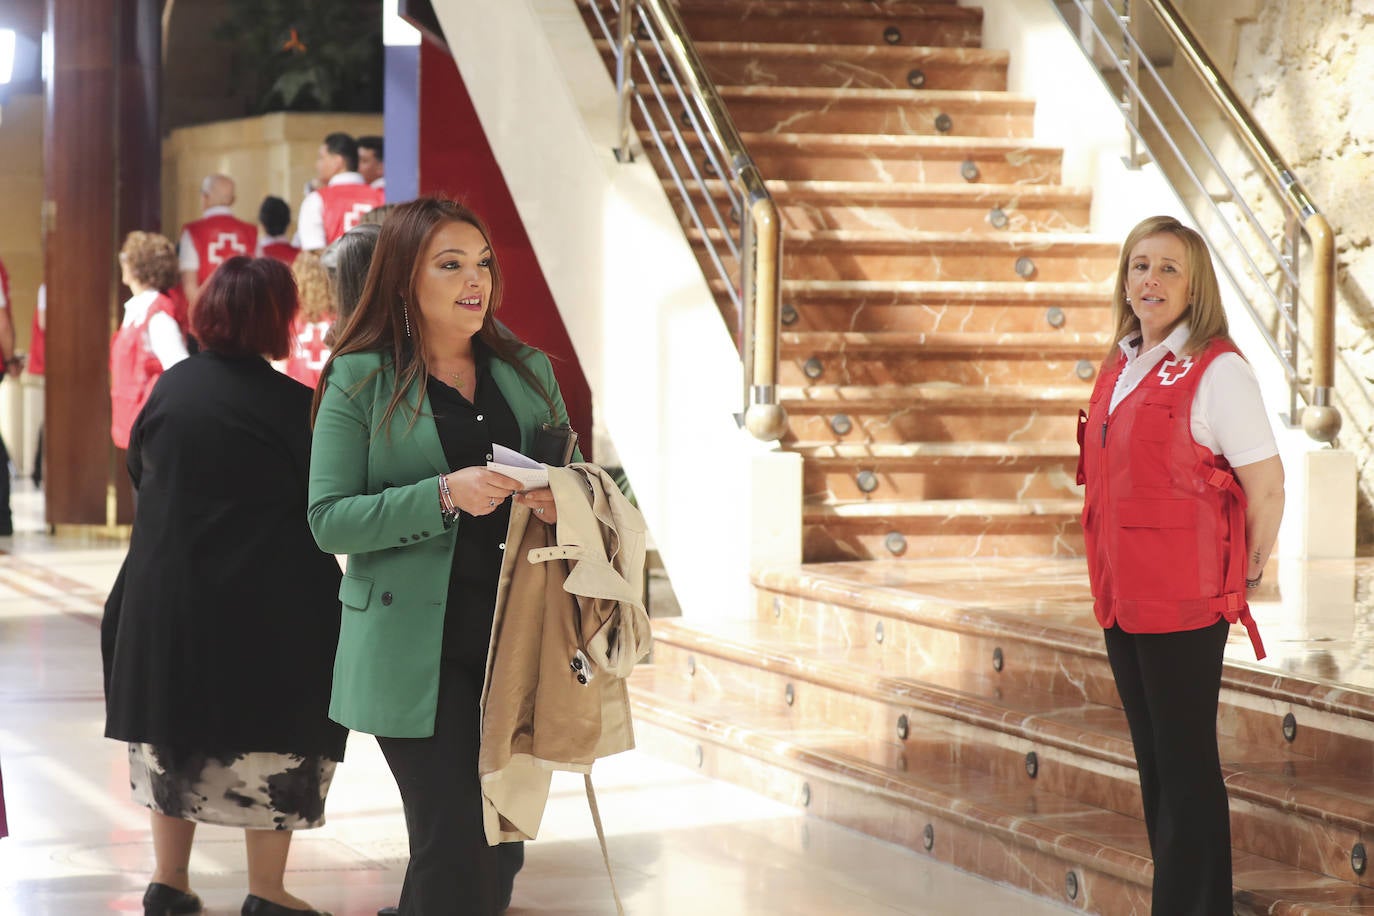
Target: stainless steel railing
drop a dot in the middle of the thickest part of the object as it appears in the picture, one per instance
(659, 74)
(1257, 233)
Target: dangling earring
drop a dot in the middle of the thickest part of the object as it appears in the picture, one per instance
(405, 310)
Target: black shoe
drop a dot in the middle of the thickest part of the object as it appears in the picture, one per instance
(389, 911)
(254, 905)
(165, 900)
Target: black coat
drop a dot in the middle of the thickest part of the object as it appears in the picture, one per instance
(221, 629)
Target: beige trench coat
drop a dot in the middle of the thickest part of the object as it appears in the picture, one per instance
(570, 625)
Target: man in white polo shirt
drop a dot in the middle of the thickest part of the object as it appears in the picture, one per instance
(343, 196)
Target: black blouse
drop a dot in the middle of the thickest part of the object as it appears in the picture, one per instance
(467, 431)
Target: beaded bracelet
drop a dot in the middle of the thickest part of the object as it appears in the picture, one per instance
(1254, 583)
(447, 508)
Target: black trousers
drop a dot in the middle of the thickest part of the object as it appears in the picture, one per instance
(1170, 684)
(452, 870)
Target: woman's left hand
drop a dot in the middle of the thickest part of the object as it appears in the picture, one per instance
(541, 504)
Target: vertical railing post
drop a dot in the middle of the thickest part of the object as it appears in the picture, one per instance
(1130, 25)
(1291, 303)
(624, 82)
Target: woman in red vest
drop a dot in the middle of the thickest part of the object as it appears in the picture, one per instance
(311, 327)
(150, 340)
(1184, 492)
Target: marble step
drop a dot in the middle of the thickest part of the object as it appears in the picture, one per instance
(799, 109)
(859, 529)
(1045, 844)
(834, 22)
(939, 470)
(914, 357)
(878, 206)
(867, 255)
(899, 158)
(1030, 622)
(1285, 807)
(768, 63)
(935, 306)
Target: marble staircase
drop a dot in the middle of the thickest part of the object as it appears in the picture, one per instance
(933, 675)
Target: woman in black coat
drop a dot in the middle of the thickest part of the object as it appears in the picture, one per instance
(219, 636)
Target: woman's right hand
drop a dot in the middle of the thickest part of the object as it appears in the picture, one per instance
(478, 491)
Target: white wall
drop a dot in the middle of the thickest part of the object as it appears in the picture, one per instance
(1075, 110)
(664, 373)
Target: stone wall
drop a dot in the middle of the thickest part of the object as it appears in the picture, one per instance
(1298, 65)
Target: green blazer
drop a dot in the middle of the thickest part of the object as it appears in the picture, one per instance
(374, 495)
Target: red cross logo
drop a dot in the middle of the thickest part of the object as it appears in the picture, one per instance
(227, 242)
(311, 344)
(355, 215)
(1167, 375)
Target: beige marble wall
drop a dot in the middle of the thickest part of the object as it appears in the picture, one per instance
(269, 154)
(1298, 65)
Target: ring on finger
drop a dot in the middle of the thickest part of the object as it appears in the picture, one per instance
(491, 502)
(538, 511)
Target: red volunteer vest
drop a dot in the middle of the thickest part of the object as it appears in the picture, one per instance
(1163, 517)
(134, 369)
(309, 352)
(344, 206)
(282, 251)
(218, 238)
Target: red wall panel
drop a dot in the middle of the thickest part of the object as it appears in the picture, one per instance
(456, 160)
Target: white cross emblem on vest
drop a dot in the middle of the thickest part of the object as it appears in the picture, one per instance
(227, 241)
(355, 215)
(1167, 375)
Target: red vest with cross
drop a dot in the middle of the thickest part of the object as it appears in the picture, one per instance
(308, 352)
(218, 238)
(281, 251)
(1163, 517)
(134, 370)
(344, 206)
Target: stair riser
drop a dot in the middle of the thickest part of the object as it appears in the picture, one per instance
(929, 216)
(912, 115)
(853, 71)
(919, 424)
(937, 741)
(858, 367)
(916, 32)
(989, 854)
(840, 262)
(954, 480)
(878, 164)
(1257, 720)
(879, 161)
(929, 538)
(935, 316)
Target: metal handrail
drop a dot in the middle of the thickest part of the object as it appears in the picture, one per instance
(656, 26)
(1320, 419)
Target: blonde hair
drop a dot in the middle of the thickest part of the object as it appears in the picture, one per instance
(1205, 314)
(151, 259)
(316, 292)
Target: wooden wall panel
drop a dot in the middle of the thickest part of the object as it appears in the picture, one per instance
(102, 158)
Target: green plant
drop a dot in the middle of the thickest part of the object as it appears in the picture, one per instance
(307, 55)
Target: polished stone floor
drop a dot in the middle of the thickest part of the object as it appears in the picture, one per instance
(680, 844)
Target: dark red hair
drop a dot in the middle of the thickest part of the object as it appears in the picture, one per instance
(246, 308)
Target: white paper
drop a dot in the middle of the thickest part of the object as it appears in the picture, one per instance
(531, 474)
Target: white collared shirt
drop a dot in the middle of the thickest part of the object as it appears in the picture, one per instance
(310, 220)
(164, 334)
(1228, 412)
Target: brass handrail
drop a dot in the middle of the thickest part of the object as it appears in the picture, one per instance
(759, 251)
(1320, 419)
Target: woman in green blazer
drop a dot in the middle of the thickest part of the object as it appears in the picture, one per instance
(422, 383)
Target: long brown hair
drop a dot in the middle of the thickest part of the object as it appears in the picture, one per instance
(382, 322)
(1205, 314)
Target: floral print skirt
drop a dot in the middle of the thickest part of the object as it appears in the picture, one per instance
(253, 790)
